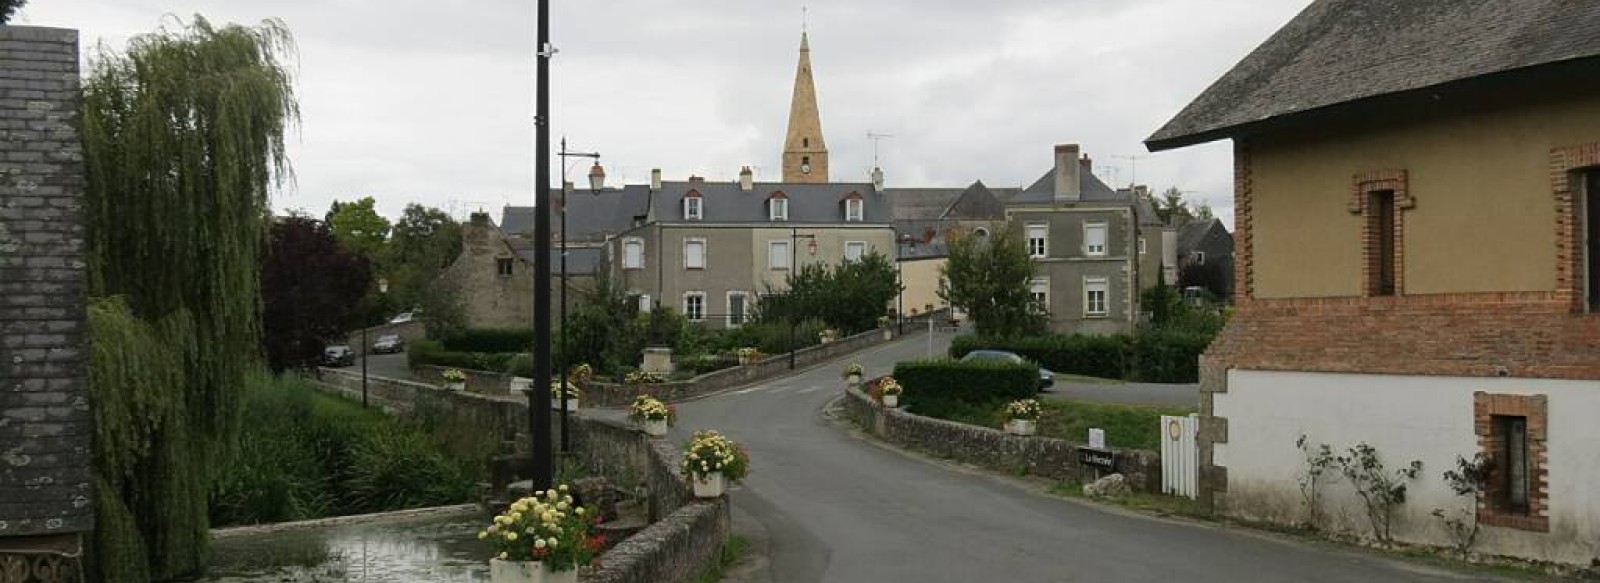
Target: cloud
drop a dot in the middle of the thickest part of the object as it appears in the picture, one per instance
(432, 102)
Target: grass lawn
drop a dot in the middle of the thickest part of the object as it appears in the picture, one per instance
(1074, 378)
(1127, 426)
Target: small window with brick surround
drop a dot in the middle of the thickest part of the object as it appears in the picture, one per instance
(1511, 431)
(1382, 247)
(1589, 222)
(503, 266)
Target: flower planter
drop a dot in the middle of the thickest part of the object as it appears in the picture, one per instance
(745, 361)
(891, 401)
(1022, 427)
(520, 385)
(456, 386)
(527, 572)
(854, 380)
(888, 334)
(711, 485)
(555, 404)
(654, 427)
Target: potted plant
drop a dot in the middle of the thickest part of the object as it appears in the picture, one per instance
(572, 392)
(454, 379)
(652, 415)
(889, 391)
(883, 323)
(1022, 417)
(711, 460)
(828, 335)
(543, 538)
(852, 373)
(643, 378)
(581, 375)
(748, 354)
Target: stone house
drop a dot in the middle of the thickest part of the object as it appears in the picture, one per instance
(1417, 265)
(1204, 256)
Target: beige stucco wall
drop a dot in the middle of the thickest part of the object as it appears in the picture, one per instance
(921, 280)
(1484, 219)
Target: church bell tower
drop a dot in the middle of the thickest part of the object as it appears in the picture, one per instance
(805, 155)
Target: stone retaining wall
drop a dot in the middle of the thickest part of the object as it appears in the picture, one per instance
(686, 534)
(993, 449)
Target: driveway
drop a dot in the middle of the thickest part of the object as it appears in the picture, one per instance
(839, 509)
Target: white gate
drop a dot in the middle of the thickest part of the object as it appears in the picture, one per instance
(1180, 455)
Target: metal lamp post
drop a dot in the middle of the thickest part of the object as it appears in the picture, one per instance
(366, 349)
(794, 270)
(597, 181)
(541, 470)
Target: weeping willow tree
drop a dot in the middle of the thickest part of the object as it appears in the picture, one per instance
(183, 141)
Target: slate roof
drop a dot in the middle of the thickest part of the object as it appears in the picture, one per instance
(1043, 190)
(1341, 51)
(1195, 235)
(724, 202)
(589, 216)
(580, 260)
(976, 202)
(921, 203)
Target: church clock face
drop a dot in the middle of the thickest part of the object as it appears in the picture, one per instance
(805, 168)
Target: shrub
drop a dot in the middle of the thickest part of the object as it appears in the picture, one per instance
(1094, 356)
(429, 352)
(703, 363)
(1169, 355)
(937, 387)
(489, 340)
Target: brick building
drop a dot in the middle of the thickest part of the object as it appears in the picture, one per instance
(1417, 264)
(46, 427)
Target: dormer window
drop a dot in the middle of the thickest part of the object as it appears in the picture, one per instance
(855, 209)
(693, 206)
(778, 207)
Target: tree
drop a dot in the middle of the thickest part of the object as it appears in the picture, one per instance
(309, 285)
(989, 279)
(359, 226)
(1174, 210)
(421, 245)
(849, 298)
(9, 8)
(182, 141)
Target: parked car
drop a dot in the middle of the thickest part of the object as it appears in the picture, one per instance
(402, 318)
(1047, 378)
(388, 344)
(338, 355)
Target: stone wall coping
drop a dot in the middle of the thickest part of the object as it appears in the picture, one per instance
(958, 426)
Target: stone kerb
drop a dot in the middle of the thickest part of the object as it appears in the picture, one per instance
(776, 365)
(992, 449)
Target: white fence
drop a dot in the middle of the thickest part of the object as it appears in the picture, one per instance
(1180, 455)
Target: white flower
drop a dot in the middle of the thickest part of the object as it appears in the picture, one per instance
(539, 543)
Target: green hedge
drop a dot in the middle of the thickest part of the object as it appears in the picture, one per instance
(938, 388)
(1170, 356)
(490, 340)
(1106, 357)
(430, 352)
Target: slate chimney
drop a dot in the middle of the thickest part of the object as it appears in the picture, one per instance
(655, 179)
(877, 179)
(747, 179)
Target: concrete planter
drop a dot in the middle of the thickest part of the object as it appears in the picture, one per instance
(888, 334)
(456, 386)
(555, 404)
(654, 427)
(891, 401)
(520, 385)
(527, 572)
(854, 380)
(1022, 427)
(712, 485)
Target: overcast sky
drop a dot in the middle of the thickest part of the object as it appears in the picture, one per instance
(432, 102)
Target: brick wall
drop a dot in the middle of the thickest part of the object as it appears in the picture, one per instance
(45, 421)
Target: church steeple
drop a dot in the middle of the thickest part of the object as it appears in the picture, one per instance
(805, 154)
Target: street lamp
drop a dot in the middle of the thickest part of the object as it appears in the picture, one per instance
(366, 349)
(794, 270)
(597, 181)
(899, 268)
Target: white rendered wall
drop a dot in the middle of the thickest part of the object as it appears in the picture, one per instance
(1405, 418)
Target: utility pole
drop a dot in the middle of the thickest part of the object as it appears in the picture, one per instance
(539, 393)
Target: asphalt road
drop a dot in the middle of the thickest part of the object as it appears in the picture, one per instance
(838, 509)
(384, 365)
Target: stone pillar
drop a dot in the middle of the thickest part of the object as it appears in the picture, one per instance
(657, 360)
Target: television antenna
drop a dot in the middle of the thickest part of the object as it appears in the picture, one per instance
(876, 137)
(1133, 170)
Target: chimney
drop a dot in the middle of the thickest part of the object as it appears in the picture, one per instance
(877, 179)
(695, 179)
(1088, 164)
(1068, 169)
(747, 179)
(1143, 190)
(655, 179)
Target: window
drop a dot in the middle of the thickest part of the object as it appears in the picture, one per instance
(1381, 204)
(692, 207)
(1038, 233)
(778, 209)
(1094, 297)
(854, 209)
(1199, 257)
(982, 233)
(1590, 230)
(805, 143)
(504, 266)
(644, 303)
(854, 250)
(694, 254)
(694, 306)
(1142, 247)
(1094, 239)
(633, 254)
(1511, 432)
(778, 254)
(738, 308)
(1039, 292)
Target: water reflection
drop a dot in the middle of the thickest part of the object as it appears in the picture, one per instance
(424, 549)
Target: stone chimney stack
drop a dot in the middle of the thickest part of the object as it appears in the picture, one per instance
(693, 179)
(1068, 171)
(877, 179)
(747, 179)
(1088, 164)
(655, 179)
